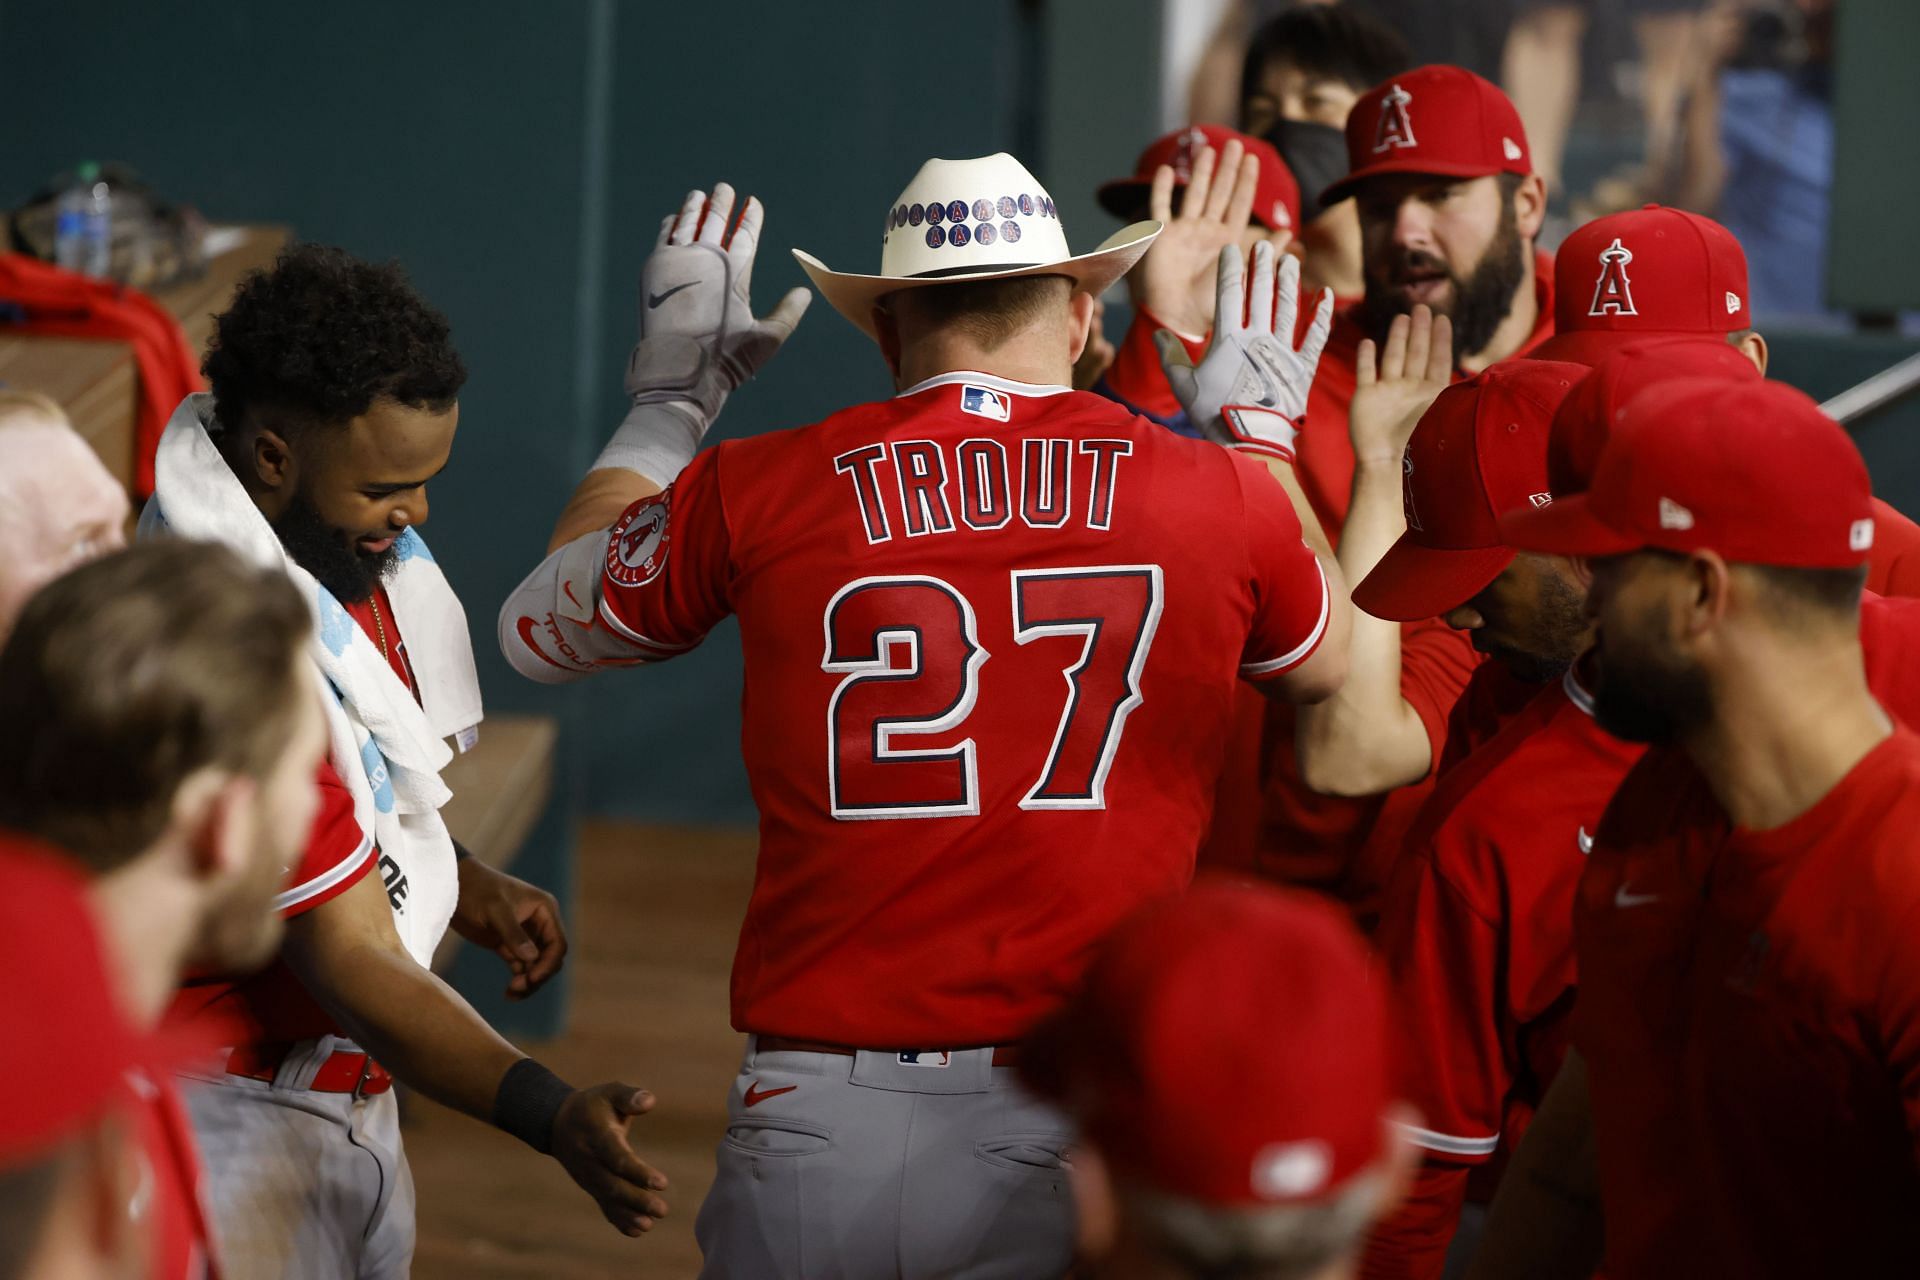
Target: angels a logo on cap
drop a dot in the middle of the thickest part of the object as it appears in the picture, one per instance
(1396, 124)
(1613, 292)
(1192, 142)
(1406, 491)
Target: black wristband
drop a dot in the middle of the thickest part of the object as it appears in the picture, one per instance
(528, 1100)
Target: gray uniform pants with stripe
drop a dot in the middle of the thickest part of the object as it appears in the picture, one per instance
(881, 1167)
(303, 1185)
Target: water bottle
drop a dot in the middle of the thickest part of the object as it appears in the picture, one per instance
(83, 224)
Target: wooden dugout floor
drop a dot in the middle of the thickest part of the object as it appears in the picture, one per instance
(654, 922)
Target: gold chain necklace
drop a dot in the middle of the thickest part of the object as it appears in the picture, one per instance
(380, 626)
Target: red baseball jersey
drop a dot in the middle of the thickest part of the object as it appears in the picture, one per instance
(1476, 938)
(991, 635)
(1493, 697)
(1749, 1011)
(1268, 820)
(271, 1006)
(1269, 823)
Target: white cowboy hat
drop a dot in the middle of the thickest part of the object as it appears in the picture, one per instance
(980, 219)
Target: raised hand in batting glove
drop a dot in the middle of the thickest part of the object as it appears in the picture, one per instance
(1250, 390)
(699, 339)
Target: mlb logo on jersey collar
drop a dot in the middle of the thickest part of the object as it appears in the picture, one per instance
(985, 402)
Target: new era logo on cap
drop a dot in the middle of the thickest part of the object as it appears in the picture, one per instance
(1291, 1170)
(1510, 149)
(1860, 534)
(1733, 302)
(1674, 516)
(985, 402)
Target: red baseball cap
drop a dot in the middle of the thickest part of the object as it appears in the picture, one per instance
(1652, 272)
(69, 1041)
(1436, 119)
(1480, 450)
(1229, 1047)
(1751, 470)
(1586, 417)
(1276, 198)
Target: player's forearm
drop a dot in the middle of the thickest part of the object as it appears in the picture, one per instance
(1366, 738)
(598, 501)
(417, 1027)
(1545, 1223)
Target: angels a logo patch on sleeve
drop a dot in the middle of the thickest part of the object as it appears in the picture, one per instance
(637, 551)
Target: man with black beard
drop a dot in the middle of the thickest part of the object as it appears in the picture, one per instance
(334, 403)
(1449, 208)
(1448, 211)
(1748, 1063)
(1474, 929)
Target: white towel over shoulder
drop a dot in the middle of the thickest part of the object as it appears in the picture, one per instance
(388, 748)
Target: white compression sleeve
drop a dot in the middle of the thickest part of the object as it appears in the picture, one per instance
(548, 630)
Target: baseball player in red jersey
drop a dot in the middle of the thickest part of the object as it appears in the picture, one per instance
(1177, 1004)
(1743, 927)
(161, 733)
(86, 1191)
(991, 628)
(1448, 210)
(1475, 932)
(334, 402)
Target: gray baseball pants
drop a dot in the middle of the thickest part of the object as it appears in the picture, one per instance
(886, 1166)
(303, 1185)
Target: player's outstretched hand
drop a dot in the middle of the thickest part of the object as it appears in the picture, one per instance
(591, 1142)
(1250, 390)
(699, 338)
(516, 921)
(1173, 280)
(1413, 368)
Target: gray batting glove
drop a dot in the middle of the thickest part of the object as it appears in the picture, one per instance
(699, 339)
(1250, 389)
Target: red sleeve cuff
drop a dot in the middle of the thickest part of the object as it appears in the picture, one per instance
(329, 884)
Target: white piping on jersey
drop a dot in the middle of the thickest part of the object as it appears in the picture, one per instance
(327, 879)
(1447, 1143)
(971, 378)
(1576, 692)
(1305, 647)
(628, 633)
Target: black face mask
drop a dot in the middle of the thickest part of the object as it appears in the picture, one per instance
(1317, 154)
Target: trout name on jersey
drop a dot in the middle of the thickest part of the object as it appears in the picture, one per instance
(919, 488)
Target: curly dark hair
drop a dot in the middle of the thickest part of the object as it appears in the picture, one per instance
(317, 337)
